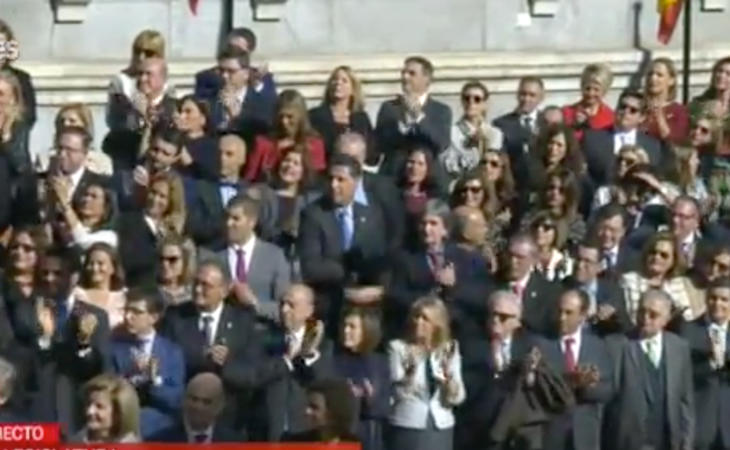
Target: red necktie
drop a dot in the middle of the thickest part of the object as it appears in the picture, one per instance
(241, 265)
(517, 290)
(569, 356)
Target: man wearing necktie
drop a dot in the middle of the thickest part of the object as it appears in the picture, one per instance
(617, 256)
(686, 226)
(152, 363)
(656, 395)
(708, 340)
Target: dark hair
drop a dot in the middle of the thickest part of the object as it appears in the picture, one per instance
(70, 260)
(585, 299)
(573, 158)
(110, 205)
(475, 84)
(634, 93)
(371, 331)
(343, 160)
(532, 79)
(232, 52)
(719, 283)
(340, 403)
(711, 93)
(570, 188)
(610, 211)
(247, 34)
(590, 242)
(664, 236)
(169, 134)
(117, 279)
(6, 30)
(559, 226)
(425, 64)
(204, 108)
(218, 265)
(82, 132)
(491, 204)
(151, 297)
(431, 184)
(249, 205)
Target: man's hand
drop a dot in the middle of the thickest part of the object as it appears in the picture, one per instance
(46, 319)
(87, 326)
(140, 103)
(61, 188)
(141, 176)
(218, 354)
(605, 312)
(312, 339)
(585, 376)
(243, 293)
(364, 295)
(446, 276)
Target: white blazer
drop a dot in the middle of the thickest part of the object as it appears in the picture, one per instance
(411, 403)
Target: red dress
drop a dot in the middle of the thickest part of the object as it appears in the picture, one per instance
(677, 119)
(602, 120)
(267, 154)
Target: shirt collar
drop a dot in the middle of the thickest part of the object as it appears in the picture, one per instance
(522, 283)
(656, 339)
(575, 336)
(298, 334)
(721, 326)
(148, 338)
(247, 247)
(215, 314)
(532, 115)
(75, 177)
(690, 239)
(361, 196)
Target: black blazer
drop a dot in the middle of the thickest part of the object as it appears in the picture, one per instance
(383, 191)
(609, 293)
(177, 434)
(207, 223)
(539, 303)
(137, 249)
(598, 150)
(324, 122)
(516, 140)
(434, 130)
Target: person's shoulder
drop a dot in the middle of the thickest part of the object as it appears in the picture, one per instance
(268, 248)
(674, 341)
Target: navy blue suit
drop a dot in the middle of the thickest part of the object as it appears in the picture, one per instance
(160, 399)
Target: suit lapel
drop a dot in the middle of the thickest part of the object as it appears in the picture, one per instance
(635, 356)
(225, 326)
(673, 370)
(256, 257)
(360, 218)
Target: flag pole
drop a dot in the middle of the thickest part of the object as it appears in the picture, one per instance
(686, 50)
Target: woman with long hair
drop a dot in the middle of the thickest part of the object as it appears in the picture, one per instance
(591, 112)
(554, 262)
(13, 128)
(176, 269)
(89, 219)
(291, 130)
(689, 180)
(555, 148)
(199, 158)
(666, 119)
(719, 88)
(102, 282)
(111, 412)
(497, 171)
(342, 109)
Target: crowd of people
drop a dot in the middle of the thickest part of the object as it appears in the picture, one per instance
(232, 266)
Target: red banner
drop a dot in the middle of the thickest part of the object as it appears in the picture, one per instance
(668, 16)
(242, 446)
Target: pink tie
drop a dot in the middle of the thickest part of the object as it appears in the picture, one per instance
(241, 265)
(517, 290)
(569, 356)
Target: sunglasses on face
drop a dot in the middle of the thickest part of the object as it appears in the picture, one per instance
(147, 53)
(546, 226)
(471, 189)
(702, 130)
(555, 187)
(661, 254)
(502, 317)
(170, 259)
(476, 99)
(493, 163)
(628, 108)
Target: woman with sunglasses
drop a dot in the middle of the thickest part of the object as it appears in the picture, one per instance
(662, 267)
(666, 119)
(497, 171)
(175, 269)
(554, 263)
(472, 135)
(591, 112)
(628, 157)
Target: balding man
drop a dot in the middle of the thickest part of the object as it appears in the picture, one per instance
(656, 398)
(470, 232)
(491, 364)
(203, 404)
(686, 223)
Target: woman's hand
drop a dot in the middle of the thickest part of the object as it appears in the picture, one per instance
(656, 112)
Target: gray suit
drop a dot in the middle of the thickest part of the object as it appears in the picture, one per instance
(635, 396)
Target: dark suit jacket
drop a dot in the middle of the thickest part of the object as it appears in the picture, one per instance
(711, 386)
(177, 434)
(609, 293)
(539, 303)
(466, 300)
(255, 118)
(207, 222)
(635, 396)
(516, 138)
(324, 122)
(598, 150)
(382, 190)
(160, 402)
(208, 83)
(137, 249)
(582, 425)
(434, 131)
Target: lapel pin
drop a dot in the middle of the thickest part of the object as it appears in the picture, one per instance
(228, 325)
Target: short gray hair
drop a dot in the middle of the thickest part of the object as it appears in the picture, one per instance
(353, 138)
(507, 296)
(439, 208)
(657, 294)
(7, 379)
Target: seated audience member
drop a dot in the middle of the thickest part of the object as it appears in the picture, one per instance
(341, 244)
(652, 358)
(19, 284)
(627, 157)
(207, 225)
(413, 116)
(425, 371)
(153, 364)
(291, 130)
(342, 110)
(70, 337)
(601, 145)
(496, 171)
(552, 115)
(518, 275)
(473, 190)
(591, 113)
(662, 267)
(111, 412)
(686, 218)
(611, 229)
(27, 92)
(666, 119)
(331, 412)
(690, 181)
(470, 232)
(86, 220)
(707, 339)
(259, 272)
(80, 115)
(716, 92)
(366, 372)
(472, 135)
(102, 282)
(607, 306)
(199, 157)
(555, 148)
(140, 231)
(176, 269)
(584, 361)
(711, 264)
(459, 276)
(14, 130)
(236, 106)
(647, 196)
(201, 421)
(520, 126)
(8, 379)
(215, 336)
(554, 262)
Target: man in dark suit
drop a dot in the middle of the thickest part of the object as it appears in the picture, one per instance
(201, 415)
(708, 341)
(459, 275)
(686, 221)
(584, 360)
(610, 227)
(413, 116)
(341, 243)
(657, 400)
(152, 363)
(601, 146)
(491, 365)
(539, 297)
(215, 336)
(607, 309)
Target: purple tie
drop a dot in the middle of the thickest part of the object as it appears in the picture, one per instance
(241, 265)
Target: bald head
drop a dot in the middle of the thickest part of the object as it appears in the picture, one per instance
(470, 226)
(505, 314)
(296, 306)
(203, 401)
(232, 152)
(354, 145)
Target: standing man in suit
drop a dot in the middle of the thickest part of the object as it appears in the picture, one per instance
(607, 306)
(583, 359)
(259, 270)
(657, 400)
(708, 341)
(538, 296)
(200, 423)
(341, 243)
(617, 256)
(413, 116)
(152, 363)
(601, 146)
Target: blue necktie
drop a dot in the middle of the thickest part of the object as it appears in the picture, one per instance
(61, 315)
(345, 222)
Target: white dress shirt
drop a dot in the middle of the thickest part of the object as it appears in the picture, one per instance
(657, 342)
(623, 138)
(192, 433)
(718, 338)
(151, 224)
(503, 354)
(576, 343)
(75, 179)
(216, 315)
(247, 254)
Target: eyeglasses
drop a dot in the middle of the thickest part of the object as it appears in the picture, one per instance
(476, 99)
(626, 161)
(661, 254)
(546, 226)
(471, 189)
(629, 108)
(24, 247)
(170, 259)
(502, 317)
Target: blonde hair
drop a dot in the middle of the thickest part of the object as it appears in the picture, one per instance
(174, 217)
(641, 154)
(671, 69)
(437, 313)
(150, 40)
(357, 102)
(81, 110)
(684, 177)
(599, 73)
(16, 111)
(124, 400)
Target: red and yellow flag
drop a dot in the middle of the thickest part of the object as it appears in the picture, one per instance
(668, 15)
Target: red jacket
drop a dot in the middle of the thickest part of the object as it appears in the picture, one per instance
(266, 155)
(601, 120)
